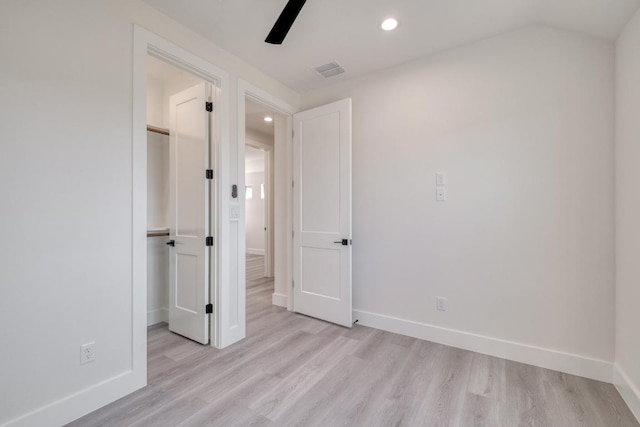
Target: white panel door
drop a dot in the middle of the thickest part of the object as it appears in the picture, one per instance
(189, 213)
(322, 212)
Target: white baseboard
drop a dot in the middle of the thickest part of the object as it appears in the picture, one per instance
(81, 403)
(157, 316)
(255, 251)
(279, 300)
(627, 389)
(574, 364)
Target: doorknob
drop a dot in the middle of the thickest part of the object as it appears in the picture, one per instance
(171, 243)
(343, 242)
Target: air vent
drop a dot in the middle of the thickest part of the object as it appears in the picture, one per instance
(329, 70)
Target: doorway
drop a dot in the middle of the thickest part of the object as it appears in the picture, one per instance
(180, 200)
(260, 122)
(282, 179)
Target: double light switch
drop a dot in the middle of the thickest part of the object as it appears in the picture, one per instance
(441, 181)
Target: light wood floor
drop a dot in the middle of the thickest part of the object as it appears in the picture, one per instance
(292, 370)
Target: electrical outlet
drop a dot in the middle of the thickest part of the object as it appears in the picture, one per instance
(441, 304)
(441, 194)
(441, 179)
(87, 352)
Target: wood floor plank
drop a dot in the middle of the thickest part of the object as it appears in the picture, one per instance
(248, 392)
(442, 400)
(321, 399)
(361, 400)
(127, 410)
(567, 400)
(289, 391)
(527, 401)
(172, 414)
(231, 415)
(293, 370)
(609, 408)
(480, 411)
(488, 377)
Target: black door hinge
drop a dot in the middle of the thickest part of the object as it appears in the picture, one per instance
(209, 241)
(209, 106)
(209, 173)
(208, 309)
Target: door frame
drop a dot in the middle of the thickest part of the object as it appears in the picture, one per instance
(283, 196)
(147, 43)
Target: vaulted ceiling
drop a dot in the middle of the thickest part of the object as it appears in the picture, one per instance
(347, 31)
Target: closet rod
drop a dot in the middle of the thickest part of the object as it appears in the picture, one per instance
(158, 130)
(157, 233)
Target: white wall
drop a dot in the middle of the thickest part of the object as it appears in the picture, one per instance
(66, 84)
(523, 248)
(157, 280)
(157, 181)
(259, 137)
(157, 218)
(254, 214)
(628, 215)
(155, 102)
(254, 157)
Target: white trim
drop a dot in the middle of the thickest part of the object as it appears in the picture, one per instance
(83, 402)
(247, 89)
(287, 251)
(255, 251)
(157, 316)
(139, 210)
(241, 228)
(279, 300)
(627, 389)
(574, 364)
(269, 242)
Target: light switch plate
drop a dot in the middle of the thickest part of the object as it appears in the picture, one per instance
(441, 194)
(234, 212)
(441, 179)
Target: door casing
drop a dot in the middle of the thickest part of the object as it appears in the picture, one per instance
(148, 43)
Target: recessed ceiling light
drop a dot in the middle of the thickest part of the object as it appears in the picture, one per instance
(268, 119)
(389, 24)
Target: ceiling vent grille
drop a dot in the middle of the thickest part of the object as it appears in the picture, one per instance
(329, 70)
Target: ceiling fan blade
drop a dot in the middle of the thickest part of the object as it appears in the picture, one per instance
(285, 21)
